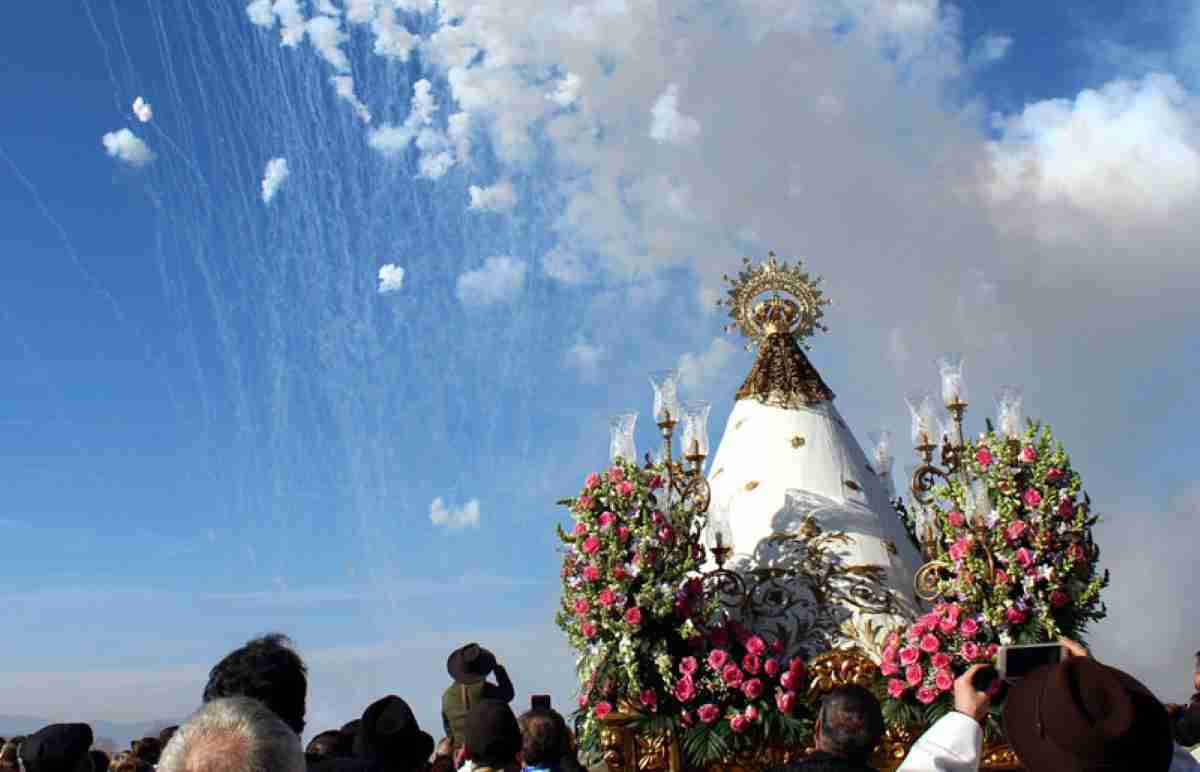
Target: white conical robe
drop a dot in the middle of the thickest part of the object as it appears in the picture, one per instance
(778, 467)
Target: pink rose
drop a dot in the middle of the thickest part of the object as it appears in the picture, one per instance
(790, 681)
(582, 606)
(947, 626)
(751, 713)
(797, 666)
(708, 713)
(601, 710)
(583, 503)
(607, 597)
(785, 701)
(941, 660)
(634, 616)
(771, 667)
(888, 668)
(1032, 498)
(649, 698)
(592, 481)
(738, 723)
(607, 519)
(970, 651)
(756, 646)
(731, 675)
(909, 656)
(956, 519)
(1001, 577)
(984, 457)
(685, 689)
(961, 548)
(953, 612)
(1053, 474)
(619, 572)
(616, 474)
(943, 680)
(1029, 454)
(591, 573)
(581, 529)
(992, 650)
(930, 644)
(591, 545)
(914, 675)
(666, 534)
(688, 665)
(582, 700)
(751, 664)
(623, 534)
(717, 659)
(1024, 558)
(889, 653)
(1058, 599)
(969, 627)
(588, 629)
(625, 488)
(752, 689)
(656, 482)
(925, 695)
(1015, 615)
(896, 688)
(1014, 530)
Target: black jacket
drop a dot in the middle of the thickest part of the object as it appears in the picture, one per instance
(1187, 723)
(823, 762)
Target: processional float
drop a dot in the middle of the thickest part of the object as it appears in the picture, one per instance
(710, 613)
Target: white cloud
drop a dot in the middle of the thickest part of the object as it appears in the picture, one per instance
(586, 357)
(126, 146)
(291, 19)
(390, 140)
(391, 38)
(698, 371)
(567, 90)
(564, 265)
(327, 7)
(343, 86)
(1127, 154)
(990, 49)
(273, 178)
(424, 105)
(668, 125)
(499, 280)
(436, 154)
(465, 517)
(360, 11)
(326, 35)
(437, 150)
(259, 12)
(391, 278)
(495, 198)
(458, 131)
(143, 111)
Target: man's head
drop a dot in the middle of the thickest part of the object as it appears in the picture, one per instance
(58, 748)
(165, 736)
(233, 734)
(1196, 675)
(493, 736)
(148, 750)
(269, 670)
(544, 738)
(329, 743)
(850, 723)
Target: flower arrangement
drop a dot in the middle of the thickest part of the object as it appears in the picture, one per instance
(652, 641)
(1016, 560)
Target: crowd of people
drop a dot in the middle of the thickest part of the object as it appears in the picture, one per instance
(1073, 716)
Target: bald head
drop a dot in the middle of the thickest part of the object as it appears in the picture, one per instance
(234, 734)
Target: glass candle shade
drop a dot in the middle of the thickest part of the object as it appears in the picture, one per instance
(954, 388)
(666, 395)
(621, 444)
(1009, 414)
(921, 408)
(695, 427)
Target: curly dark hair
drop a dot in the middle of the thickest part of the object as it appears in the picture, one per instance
(269, 670)
(851, 723)
(544, 739)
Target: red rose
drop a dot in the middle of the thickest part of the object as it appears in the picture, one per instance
(649, 698)
(785, 701)
(591, 573)
(732, 676)
(738, 723)
(709, 713)
(601, 710)
(685, 689)
(1058, 599)
(588, 629)
(751, 664)
(717, 659)
(591, 545)
(752, 689)
(771, 667)
(756, 646)
(688, 665)
(607, 597)
(776, 646)
(790, 680)
(634, 616)
(581, 529)
(984, 457)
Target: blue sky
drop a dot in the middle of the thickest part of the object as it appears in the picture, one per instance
(213, 423)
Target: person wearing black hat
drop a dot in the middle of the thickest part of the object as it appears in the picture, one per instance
(493, 737)
(1073, 716)
(389, 737)
(58, 748)
(469, 667)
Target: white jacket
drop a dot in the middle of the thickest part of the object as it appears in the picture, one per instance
(955, 744)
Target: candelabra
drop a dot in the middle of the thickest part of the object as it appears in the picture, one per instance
(926, 414)
(685, 482)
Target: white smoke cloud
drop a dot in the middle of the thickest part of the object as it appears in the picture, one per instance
(668, 124)
(989, 50)
(259, 12)
(143, 111)
(458, 131)
(273, 178)
(437, 150)
(698, 371)
(495, 198)
(585, 357)
(1128, 152)
(343, 86)
(126, 146)
(391, 278)
(326, 35)
(327, 7)
(390, 140)
(567, 90)
(500, 280)
(466, 516)
(391, 38)
(291, 19)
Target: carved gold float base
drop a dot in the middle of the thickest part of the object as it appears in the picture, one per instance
(625, 749)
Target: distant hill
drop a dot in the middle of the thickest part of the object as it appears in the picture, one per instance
(119, 735)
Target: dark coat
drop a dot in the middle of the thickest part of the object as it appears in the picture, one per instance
(823, 762)
(1187, 723)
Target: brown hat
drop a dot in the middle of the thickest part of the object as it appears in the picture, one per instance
(1081, 716)
(470, 664)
